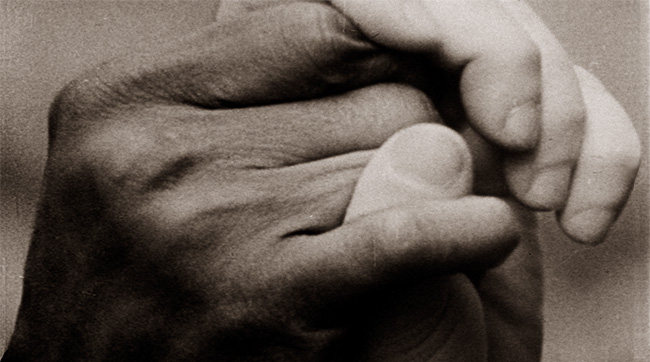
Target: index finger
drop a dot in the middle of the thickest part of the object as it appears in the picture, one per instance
(494, 48)
(542, 179)
(499, 64)
(517, 86)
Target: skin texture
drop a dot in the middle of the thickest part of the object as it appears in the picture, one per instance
(497, 56)
(493, 315)
(173, 228)
(194, 202)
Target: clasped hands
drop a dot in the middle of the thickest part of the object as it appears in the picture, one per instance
(195, 192)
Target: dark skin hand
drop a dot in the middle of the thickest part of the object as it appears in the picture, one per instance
(558, 174)
(181, 223)
(482, 315)
(189, 215)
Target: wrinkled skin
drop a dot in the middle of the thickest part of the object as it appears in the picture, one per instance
(164, 243)
(189, 215)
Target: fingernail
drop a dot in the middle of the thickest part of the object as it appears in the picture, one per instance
(522, 127)
(429, 155)
(590, 226)
(421, 162)
(550, 187)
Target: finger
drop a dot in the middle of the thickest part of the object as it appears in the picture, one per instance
(228, 10)
(288, 52)
(422, 161)
(232, 9)
(542, 178)
(406, 243)
(499, 64)
(487, 161)
(515, 323)
(608, 165)
(429, 162)
(512, 298)
(167, 147)
(305, 131)
(432, 237)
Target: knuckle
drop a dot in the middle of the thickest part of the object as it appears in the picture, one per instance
(69, 101)
(390, 247)
(325, 37)
(569, 114)
(323, 23)
(82, 92)
(415, 103)
(308, 24)
(392, 107)
(84, 99)
(402, 234)
(524, 52)
(418, 105)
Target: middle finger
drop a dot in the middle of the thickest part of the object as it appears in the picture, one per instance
(541, 179)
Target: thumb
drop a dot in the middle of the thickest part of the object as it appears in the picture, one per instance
(431, 162)
(398, 228)
(427, 161)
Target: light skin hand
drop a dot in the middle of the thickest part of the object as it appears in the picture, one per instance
(610, 149)
(172, 228)
(563, 119)
(123, 287)
(518, 90)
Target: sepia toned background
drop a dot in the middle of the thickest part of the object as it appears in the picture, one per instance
(597, 305)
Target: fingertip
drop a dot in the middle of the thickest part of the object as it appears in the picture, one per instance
(500, 65)
(599, 192)
(606, 172)
(502, 98)
(589, 227)
(431, 155)
(542, 189)
(523, 126)
(422, 162)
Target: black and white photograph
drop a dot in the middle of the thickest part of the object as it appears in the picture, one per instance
(324, 180)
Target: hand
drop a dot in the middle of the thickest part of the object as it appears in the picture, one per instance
(610, 149)
(517, 89)
(179, 224)
(493, 315)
